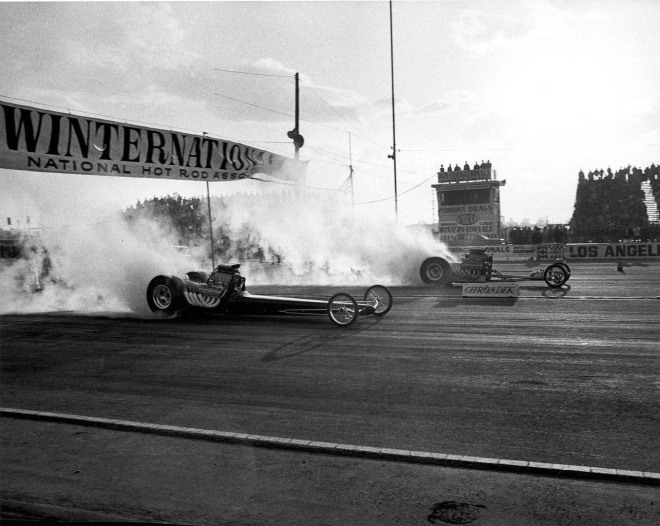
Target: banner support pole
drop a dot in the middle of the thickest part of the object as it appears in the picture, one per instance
(208, 200)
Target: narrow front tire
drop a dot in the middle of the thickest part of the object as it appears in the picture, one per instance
(556, 275)
(343, 309)
(381, 297)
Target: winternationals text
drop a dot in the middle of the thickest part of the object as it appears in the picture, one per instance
(39, 140)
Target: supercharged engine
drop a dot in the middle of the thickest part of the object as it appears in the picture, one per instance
(228, 278)
(208, 290)
(477, 262)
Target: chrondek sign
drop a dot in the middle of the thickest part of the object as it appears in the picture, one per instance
(39, 140)
(491, 290)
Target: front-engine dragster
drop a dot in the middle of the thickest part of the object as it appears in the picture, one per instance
(477, 266)
(223, 291)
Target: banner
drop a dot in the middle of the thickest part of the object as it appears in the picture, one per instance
(38, 140)
(614, 251)
(570, 251)
(506, 252)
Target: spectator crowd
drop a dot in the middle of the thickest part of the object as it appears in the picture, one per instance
(466, 167)
(610, 207)
(535, 235)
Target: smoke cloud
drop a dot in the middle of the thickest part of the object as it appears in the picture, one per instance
(100, 267)
(321, 241)
(104, 266)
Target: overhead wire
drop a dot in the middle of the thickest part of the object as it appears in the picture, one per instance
(252, 73)
(286, 115)
(398, 193)
(253, 105)
(544, 147)
(313, 91)
(328, 105)
(365, 137)
(345, 120)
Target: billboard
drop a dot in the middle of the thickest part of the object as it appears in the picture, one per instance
(469, 212)
(39, 140)
(463, 222)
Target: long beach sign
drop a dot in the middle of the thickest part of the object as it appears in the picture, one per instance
(39, 140)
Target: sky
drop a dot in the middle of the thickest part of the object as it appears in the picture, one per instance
(540, 88)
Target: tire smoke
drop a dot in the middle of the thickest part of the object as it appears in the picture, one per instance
(104, 266)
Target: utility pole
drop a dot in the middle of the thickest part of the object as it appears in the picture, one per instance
(297, 124)
(294, 134)
(208, 199)
(393, 156)
(350, 166)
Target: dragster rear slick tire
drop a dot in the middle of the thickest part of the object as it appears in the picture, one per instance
(343, 310)
(436, 271)
(164, 296)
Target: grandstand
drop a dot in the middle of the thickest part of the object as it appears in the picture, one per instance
(651, 202)
(623, 205)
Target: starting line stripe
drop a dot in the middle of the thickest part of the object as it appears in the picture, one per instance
(332, 448)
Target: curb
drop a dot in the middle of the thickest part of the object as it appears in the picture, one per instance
(331, 448)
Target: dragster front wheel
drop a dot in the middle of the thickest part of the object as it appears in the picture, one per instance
(381, 297)
(163, 296)
(343, 309)
(556, 275)
(436, 271)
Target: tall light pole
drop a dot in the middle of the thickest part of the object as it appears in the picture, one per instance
(393, 156)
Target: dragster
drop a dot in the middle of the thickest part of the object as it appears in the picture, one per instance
(477, 267)
(223, 291)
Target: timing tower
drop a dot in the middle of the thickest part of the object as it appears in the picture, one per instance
(468, 205)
